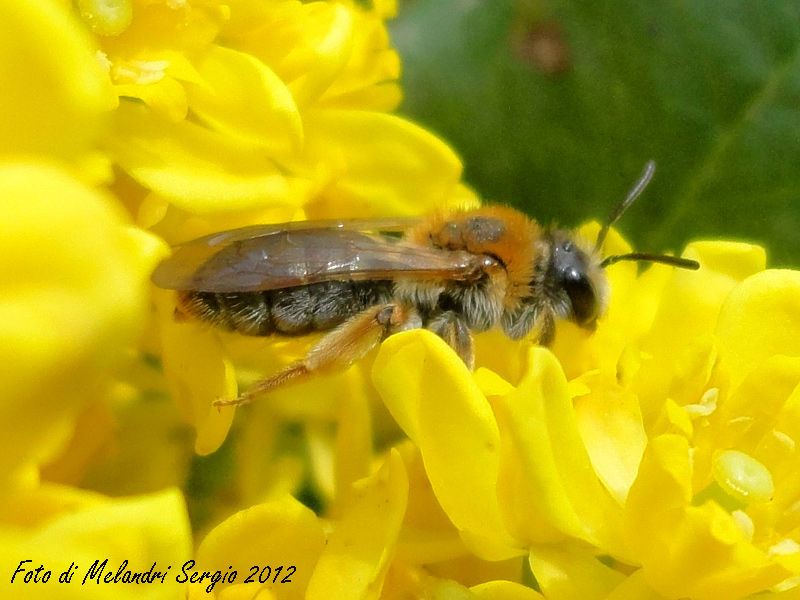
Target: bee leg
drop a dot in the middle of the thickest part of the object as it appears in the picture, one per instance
(546, 327)
(338, 349)
(453, 329)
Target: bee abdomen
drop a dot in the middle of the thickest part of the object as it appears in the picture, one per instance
(291, 311)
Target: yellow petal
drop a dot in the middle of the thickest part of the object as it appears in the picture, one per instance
(93, 433)
(504, 590)
(430, 393)
(160, 30)
(746, 419)
(378, 164)
(691, 551)
(242, 97)
(354, 562)
(788, 424)
(681, 373)
(307, 44)
(736, 260)
(342, 454)
(658, 497)
(708, 557)
(469, 570)
(634, 588)
(280, 533)
(354, 449)
(245, 591)
(760, 318)
(679, 347)
(692, 300)
(328, 55)
(445, 589)
(566, 572)
(381, 97)
(367, 82)
(197, 169)
(500, 359)
(491, 384)
(167, 97)
(428, 535)
(29, 508)
(132, 534)
(145, 444)
(178, 226)
(198, 373)
(610, 423)
(74, 299)
(386, 9)
(673, 419)
(543, 427)
(264, 471)
(54, 90)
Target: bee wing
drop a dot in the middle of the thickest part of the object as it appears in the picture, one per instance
(222, 238)
(277, 257)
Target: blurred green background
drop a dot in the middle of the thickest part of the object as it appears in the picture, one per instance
(555, 106)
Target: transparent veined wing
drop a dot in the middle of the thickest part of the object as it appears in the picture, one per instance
(270, 257)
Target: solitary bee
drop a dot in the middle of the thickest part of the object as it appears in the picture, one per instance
(452, 273)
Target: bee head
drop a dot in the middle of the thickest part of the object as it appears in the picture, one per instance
(568, 283)
(569, 280)
(576, 277)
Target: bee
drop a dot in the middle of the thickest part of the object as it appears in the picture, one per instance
(454, 274)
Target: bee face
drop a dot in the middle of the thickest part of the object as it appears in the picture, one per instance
(578, 276)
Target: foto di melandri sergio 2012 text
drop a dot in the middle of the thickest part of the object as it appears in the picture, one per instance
(100, 572)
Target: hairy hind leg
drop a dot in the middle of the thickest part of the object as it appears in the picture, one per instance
(338, 349)
(453, 329)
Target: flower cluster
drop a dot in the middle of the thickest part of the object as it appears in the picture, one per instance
(653, 458)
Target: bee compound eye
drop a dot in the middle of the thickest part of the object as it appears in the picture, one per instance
(581, 295)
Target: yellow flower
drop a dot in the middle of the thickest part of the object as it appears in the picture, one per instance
(54, 91)
(280, 549)
(285, 548)
(687, 479)
(727, 462)
(80, 542)
(653, 458)
(262, 111)
(74, 301)
(75, 298)
(75, 269)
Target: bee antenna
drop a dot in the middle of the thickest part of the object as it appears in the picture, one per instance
(619, 209)
(683, 263)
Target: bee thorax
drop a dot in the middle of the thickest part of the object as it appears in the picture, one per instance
(480, 303)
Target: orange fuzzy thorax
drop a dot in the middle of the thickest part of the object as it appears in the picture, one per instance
(498, 231)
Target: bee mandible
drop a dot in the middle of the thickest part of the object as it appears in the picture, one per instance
(453, 273)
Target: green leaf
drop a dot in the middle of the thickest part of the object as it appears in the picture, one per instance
(556, 106)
